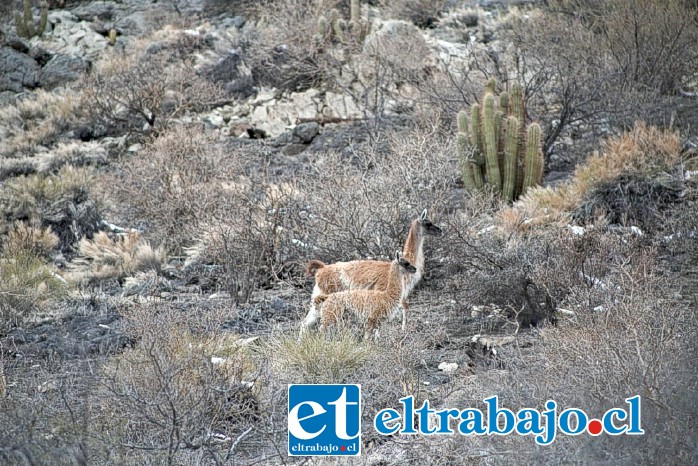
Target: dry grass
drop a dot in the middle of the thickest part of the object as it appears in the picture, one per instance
(103, 258)
(23, 236)
(63, 201)
(27, 283)
(35, 122)
(317, 359)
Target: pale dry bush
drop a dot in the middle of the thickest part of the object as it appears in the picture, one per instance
(27, 237)
(652, 45)
(253, 245)
(317, 359)
(175, 185)
(362, 207)
(183, 381)
(35, 121)
(283, 52)
(28, 284)
(142, 92)
(103, 258)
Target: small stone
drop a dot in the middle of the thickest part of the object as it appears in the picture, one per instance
(448, 367)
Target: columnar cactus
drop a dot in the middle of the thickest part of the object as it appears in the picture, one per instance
(357, 28)
(25, 24)
(496, 147)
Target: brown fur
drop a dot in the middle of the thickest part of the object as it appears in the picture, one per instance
(372, 274)
(369, 305)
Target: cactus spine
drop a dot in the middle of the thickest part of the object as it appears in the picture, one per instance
(25, 24)
(503, 152)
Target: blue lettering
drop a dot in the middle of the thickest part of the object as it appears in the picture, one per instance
(386, 416)
(550, 424)
(528, 422)
(635, 411)
(580, 418)
(471, 424)
(493, 413)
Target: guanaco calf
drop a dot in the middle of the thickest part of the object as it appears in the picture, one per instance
(371, 274)
(370, 306)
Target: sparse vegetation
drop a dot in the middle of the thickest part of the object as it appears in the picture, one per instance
(154, 236)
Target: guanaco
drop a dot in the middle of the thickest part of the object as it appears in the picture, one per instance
(371, 306)
(371, 274)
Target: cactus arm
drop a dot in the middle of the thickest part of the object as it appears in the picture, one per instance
(511, 149)
(533, 157)
(463, 149)
(494, 177)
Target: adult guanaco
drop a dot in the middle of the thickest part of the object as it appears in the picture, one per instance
(371, 274)
(370, 306)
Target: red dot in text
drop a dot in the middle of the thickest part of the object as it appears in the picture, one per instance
(595, 427)
(343, 448)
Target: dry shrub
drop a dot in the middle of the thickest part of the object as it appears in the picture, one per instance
(317, 359)
(104, 258)
(35, 121)
(27, 283)
(362, 207)
(183, 384)
(253, 246)
(176, 184)
(652, 44)
(645, 151)
(144, 92)
(282, 52)
(23, 236)
(639, 341)
(63, 201)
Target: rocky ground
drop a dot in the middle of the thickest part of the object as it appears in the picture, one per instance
(483, 319)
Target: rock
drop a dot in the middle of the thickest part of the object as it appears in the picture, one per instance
(448, 367)
(306, 132)
(60, 70)
(236, 22)
(103, 11)
(214, 120)
(18, 70)
(233, 74)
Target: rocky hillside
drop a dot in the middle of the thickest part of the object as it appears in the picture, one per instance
(168, 167)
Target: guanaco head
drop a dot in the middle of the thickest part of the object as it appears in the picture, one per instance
(405, 265)
(428, 227)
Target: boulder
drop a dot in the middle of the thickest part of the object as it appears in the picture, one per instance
(19, 70)
(62, 69)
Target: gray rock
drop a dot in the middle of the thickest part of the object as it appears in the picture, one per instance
(306, 132)
(103, 11)
(231, 72)
(18, 70)
(62, 69)
(237, 22)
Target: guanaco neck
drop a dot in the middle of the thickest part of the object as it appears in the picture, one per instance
(413, 249)
(394, 289)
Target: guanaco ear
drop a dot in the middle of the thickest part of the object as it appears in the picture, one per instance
(424, 215)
